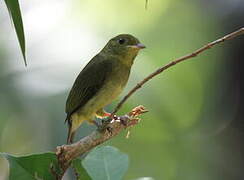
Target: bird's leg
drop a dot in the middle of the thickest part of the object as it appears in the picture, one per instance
(124, 119)
(102, 114)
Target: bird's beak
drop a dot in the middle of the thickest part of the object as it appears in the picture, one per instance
(138, 46)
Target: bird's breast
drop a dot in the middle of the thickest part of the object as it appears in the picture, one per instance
(116, 82)
(113, 86)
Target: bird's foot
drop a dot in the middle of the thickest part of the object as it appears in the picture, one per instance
(122, 119)
(110, 116)
(105, 123)
(112, 119)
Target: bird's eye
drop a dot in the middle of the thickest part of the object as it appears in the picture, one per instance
(121, 41)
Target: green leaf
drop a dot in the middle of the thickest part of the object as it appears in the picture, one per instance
(31, 167)
(79, 170)
(106, 163)
(15, 15)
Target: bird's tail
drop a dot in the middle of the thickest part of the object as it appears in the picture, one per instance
(73, 124)
(71, 134)
(71, 131)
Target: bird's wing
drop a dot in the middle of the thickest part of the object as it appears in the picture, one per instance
(88, 83)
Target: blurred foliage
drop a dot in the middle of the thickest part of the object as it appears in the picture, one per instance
(189, 104)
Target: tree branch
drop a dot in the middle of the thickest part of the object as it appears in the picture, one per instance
(66, 153)
(176, 61)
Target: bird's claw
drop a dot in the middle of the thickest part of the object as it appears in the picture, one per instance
(126, 120)
(122, 119)
(105, 124)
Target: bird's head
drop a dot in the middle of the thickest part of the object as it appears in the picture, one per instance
(124, 46)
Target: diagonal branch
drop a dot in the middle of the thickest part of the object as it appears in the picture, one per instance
(176, 61)
(66, 153)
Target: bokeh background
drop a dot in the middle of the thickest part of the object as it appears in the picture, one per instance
(194, 129)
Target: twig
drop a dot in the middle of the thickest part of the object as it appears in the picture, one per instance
(176, 61)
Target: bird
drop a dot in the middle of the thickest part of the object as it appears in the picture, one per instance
(100, 82)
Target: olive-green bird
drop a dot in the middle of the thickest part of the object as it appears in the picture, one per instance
(101, 81)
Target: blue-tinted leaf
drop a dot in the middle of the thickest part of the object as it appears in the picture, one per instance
(15, 14)
(36, 166)
(106, 163)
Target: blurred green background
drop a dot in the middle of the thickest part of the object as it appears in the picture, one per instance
(194, 129)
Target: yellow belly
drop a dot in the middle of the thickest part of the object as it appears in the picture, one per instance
(110, 90)
(105, 96)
